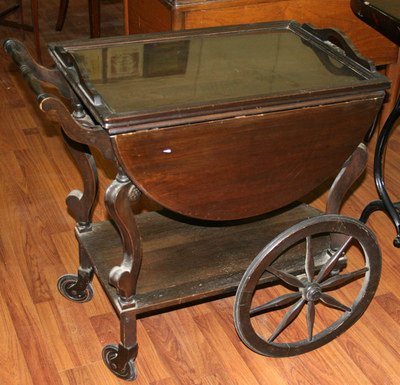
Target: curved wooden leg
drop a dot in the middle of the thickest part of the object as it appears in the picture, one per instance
(78, 287)
(121, 359)
(81, 204)
(119, 196)
(62, 13)
(350, 172)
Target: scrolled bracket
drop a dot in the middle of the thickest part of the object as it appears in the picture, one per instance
(119, 196)
(76, 206)
(80, 204)
(80, 130)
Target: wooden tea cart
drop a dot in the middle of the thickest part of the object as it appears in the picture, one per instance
(226, 129)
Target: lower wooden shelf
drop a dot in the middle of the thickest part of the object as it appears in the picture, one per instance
(185, 260)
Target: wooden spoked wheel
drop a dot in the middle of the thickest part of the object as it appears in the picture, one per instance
(320, 300)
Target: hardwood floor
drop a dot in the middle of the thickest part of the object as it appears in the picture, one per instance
(47, 340)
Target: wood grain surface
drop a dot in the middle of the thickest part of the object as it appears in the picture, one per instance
(47, 340)
(245, 166)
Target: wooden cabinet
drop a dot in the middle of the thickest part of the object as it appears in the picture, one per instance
(142, 16)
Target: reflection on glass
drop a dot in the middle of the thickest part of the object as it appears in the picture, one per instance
(138, 77)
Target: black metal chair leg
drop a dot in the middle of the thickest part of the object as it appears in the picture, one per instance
(385, 203)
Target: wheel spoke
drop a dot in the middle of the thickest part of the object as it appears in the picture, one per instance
(332, 261)
(281, 301)
(285, 277)
(343, 279)
(289, 317)
(309, 267)
(310, 319)
(332, 302)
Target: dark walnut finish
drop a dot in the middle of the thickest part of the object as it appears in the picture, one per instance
(243, 173)
(226, 156)
(208, 260)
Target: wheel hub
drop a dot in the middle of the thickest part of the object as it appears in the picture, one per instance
(312, 292)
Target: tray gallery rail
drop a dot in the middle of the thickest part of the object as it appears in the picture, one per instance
(226, 129)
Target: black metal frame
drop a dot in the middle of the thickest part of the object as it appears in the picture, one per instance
(384, 203)
(389, 26)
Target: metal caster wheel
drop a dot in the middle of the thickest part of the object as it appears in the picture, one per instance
(114, 362)
(68, 287)
(313, 305)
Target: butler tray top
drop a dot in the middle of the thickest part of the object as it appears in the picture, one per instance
(155, 78)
